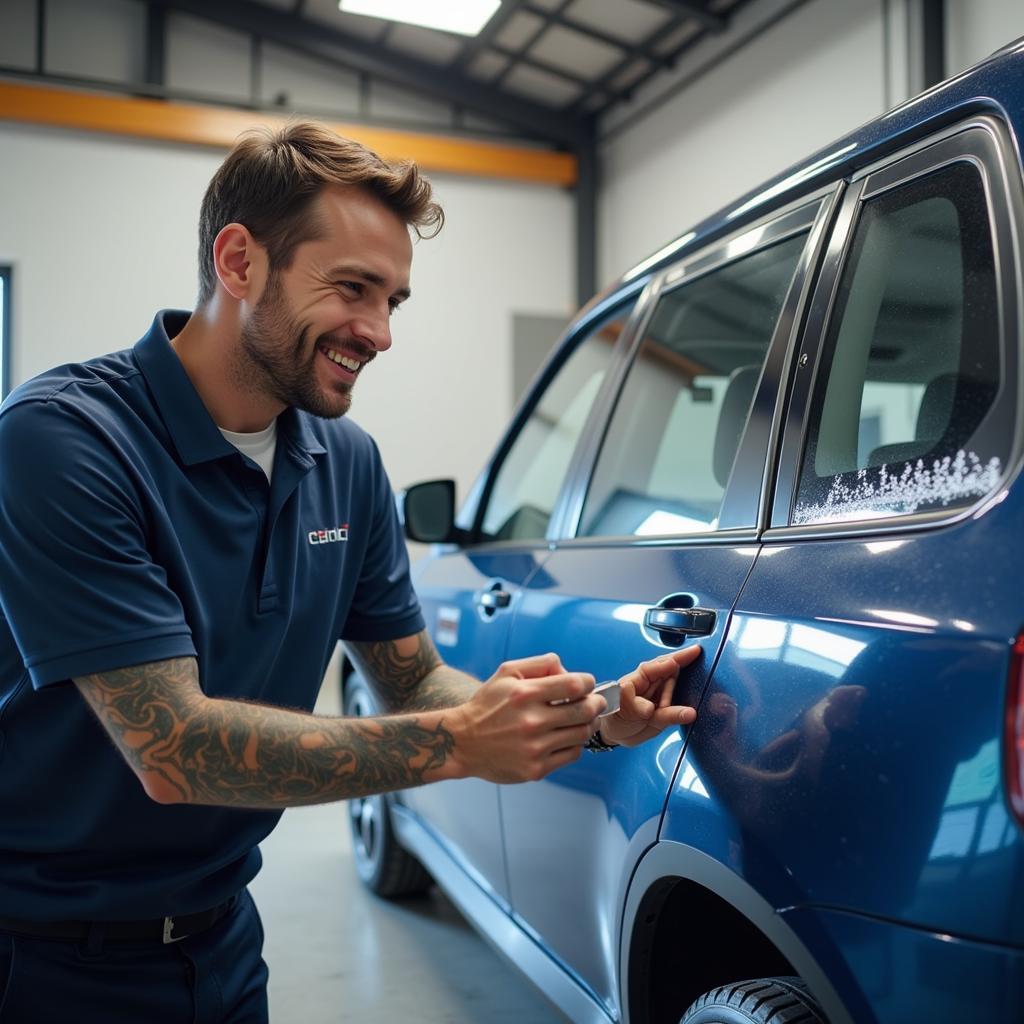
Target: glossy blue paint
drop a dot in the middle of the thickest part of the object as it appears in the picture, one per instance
(568, 837)
(912, 974)
(464, 812)
(853, 727)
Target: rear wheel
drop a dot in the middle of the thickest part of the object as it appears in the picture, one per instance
(761, 1001)
(383, 865)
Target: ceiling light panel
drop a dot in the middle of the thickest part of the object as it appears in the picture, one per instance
(464, 17)
(326, 12)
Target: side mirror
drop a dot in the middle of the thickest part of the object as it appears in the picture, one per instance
(428, 512)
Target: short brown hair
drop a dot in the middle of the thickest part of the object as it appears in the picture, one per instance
(269, 179)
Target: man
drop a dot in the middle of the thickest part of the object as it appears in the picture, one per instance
(187, 528)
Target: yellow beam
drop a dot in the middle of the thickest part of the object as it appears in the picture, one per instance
(219, 127)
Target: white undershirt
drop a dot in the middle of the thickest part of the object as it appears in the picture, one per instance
(259, 446)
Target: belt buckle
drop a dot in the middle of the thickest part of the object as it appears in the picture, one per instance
(168, 929)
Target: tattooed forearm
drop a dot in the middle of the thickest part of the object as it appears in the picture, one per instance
(189, 748)
(408, 674)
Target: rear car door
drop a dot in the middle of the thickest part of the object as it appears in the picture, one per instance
(470, 593)
(852, 736)
(663, 519)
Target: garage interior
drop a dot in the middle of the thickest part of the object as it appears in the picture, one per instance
(568, 141)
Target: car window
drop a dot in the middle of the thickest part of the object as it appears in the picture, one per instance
(531, 475)
(911, 365)
(669, 450)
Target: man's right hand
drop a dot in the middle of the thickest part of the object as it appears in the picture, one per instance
(529, 718)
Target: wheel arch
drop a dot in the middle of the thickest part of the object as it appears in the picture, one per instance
(665, 963)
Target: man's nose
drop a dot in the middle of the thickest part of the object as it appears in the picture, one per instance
(375, 329)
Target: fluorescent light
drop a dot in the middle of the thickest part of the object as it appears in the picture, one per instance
(466, 17)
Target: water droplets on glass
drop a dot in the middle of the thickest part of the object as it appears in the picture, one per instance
(945, 481)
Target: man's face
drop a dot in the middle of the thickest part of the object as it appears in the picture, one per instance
(318, 323)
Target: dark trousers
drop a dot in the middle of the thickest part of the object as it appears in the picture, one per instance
(216, 977)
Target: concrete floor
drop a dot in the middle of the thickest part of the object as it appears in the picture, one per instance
(336, 953)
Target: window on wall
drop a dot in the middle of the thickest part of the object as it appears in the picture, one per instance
(5, 329)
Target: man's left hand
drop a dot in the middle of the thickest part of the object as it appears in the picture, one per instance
(645, 701)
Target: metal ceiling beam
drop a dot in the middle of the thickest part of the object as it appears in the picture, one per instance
(542, 65)
(577, 26)
(933, 41)
(626, 47)
(487, 34)
(603, 84)
(520, 51)
(156, 46)
(589, 166)
(693, 9)
(339, 48)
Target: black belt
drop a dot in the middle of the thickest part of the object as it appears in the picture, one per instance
(166, 929)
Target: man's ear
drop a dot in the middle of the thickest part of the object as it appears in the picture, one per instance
(240, 262)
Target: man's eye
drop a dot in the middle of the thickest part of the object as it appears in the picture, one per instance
(352, 286)
(394, 306)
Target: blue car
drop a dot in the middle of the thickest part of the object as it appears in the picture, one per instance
(793, 438)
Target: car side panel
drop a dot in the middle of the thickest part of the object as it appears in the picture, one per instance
(851, 738)
(465, 811)
(571, 839)
(912, 974)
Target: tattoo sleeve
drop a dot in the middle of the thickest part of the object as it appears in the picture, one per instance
(409, 675)
(187, 747)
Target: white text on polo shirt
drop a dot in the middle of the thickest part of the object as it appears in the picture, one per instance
(331, 536)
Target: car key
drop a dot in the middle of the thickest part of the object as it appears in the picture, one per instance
(611, 693)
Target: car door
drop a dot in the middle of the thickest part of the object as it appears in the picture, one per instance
(852, 736)
(470, 593)
(663, 521)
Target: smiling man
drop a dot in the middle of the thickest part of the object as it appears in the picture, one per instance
(187, 528)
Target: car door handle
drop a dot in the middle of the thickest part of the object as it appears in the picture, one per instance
(492, 600)
(680, 621)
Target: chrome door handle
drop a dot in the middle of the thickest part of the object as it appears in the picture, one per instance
(678, 622)
(492, 600)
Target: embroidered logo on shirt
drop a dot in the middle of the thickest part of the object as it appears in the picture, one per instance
(331, 536)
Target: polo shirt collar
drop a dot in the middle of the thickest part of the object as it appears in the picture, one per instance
(192, 429)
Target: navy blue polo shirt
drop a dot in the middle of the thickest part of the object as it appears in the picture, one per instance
(132, 531)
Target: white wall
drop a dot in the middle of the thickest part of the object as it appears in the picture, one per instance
(799, 84)
(976, 28)
(102, 232)
(678, 151)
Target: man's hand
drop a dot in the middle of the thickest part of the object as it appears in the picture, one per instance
(531, 717)
(645, 701)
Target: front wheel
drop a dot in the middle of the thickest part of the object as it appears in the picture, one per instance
(383, 864)
(761, 1001)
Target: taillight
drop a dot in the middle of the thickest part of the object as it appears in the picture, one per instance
(1014, 735)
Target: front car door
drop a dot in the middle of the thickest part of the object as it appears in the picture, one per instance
(470, 593)
(663, 517)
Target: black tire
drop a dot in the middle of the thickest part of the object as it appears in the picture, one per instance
(384, 866)
(761, 1001)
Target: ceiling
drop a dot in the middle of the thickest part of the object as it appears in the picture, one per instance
(565, 62)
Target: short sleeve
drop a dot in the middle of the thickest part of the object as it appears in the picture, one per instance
(384, 605)
(78, 587)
